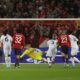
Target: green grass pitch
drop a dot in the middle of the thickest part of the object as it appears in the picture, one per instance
(40, 72)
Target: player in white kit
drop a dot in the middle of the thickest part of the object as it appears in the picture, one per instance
(52, 50)
(6, 40)
(74, 49)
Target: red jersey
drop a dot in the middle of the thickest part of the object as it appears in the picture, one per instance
(18, 40)
(64, 40)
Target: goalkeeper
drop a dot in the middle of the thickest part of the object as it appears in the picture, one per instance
(33, 53)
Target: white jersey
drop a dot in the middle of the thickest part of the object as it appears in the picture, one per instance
(52, 48)
(74, 45)
(6, 40)
(52, 43)
(73, 40)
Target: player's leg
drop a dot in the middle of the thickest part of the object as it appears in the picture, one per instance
(6, 60)
(9, 60)
(62, 53)
(49, 61)
(53, 58)
(76, 59)
(73, 56)
(17, 53)
(65, 55)
(6, 56)
(72, 61)
(9, 57)
(54, 55)
(66, 59)
(49, 55)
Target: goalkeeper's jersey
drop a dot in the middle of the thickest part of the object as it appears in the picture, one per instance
(34, 53)
(32, 50)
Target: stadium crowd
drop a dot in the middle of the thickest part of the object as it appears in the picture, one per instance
(39, 8)
(36, 32)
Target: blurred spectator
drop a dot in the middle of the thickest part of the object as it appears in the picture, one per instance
(39, 8)
(78, 32)
(36, 32)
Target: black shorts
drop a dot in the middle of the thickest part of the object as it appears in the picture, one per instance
(64, 49)
(17, 51)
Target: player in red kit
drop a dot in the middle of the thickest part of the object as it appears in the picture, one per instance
(18, 44)
(64, 42)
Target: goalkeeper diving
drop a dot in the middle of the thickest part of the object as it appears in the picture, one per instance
(33, 53)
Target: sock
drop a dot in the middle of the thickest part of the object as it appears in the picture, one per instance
(9, 61)
(72, 60)
(49, 61)
(53, 57)
(76, 59)
(6, 61)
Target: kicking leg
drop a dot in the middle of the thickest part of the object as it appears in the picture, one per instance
(76, 59)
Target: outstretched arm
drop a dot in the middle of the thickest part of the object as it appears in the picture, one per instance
(23, 54)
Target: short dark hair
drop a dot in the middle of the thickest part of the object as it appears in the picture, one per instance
(5, 32)
(50, 37)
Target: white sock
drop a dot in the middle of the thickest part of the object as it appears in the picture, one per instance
(6, 61)
(76, 59)
(53, 57)
(73, 62)
(9, 61)
(49, 61)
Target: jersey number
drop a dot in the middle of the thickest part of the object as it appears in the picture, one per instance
(6, 39)
(64, 39)
(52, 42)
(18, 39)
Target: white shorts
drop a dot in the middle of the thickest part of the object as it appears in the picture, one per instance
(7, 50)
(51, 51)
(74, 51)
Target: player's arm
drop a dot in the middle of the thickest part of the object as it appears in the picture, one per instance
(1, 38)
(24, 53)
